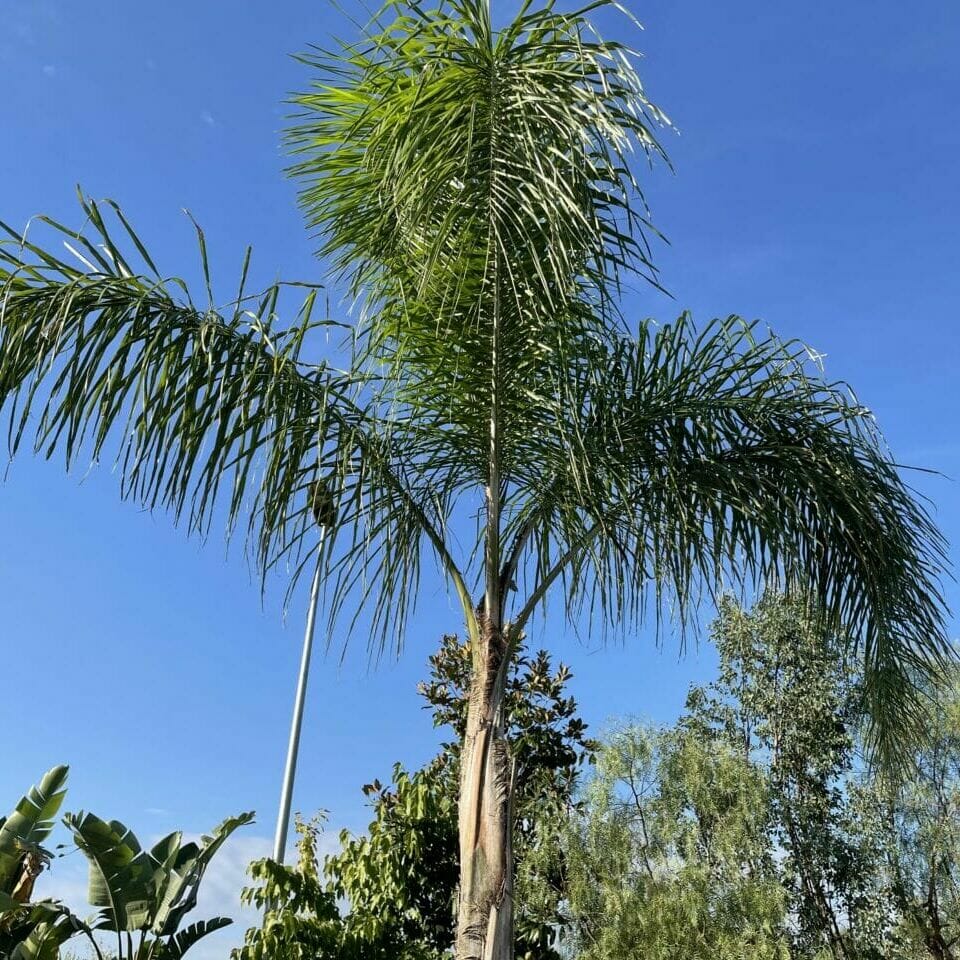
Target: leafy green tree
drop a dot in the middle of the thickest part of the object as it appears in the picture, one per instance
(474, 187)
(399, 880)
(914, 827)
(754, 827)
(789, 698)
(670, 859)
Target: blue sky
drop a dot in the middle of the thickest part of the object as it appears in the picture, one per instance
(816, 188)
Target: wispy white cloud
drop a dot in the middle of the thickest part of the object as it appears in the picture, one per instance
(207, 117)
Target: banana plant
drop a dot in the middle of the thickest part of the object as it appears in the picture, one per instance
(39, 930)
(144, 895)
(21, 833)
(32, 930)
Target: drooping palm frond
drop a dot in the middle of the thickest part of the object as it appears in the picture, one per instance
(198, 402)
(700, 459)
(214, 413)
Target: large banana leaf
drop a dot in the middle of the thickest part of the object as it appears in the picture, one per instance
(7, 903)
(29, 823)
(154, 889)
(121, 872)
(178, 895)
(40, 932)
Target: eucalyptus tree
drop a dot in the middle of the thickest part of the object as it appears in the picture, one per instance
(474, 188)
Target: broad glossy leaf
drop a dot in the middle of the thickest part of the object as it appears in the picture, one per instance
(31, 821)
(121, 873)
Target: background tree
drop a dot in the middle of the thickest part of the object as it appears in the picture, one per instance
(475, 188)
(915, 830)
(399, 880)
(670, 859)
(754, 827)
(789, 698)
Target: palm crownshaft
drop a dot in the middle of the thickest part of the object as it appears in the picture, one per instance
(473, 188)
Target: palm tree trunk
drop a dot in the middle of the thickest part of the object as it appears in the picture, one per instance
(485, 911)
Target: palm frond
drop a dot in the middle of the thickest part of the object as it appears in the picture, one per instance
(198, 402)
(475, 187)
(214, 414)
(700, 459)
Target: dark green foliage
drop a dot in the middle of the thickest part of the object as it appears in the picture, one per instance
(148, 892)
(31, 928)
(399, 880)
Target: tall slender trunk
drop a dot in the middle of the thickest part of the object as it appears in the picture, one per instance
(485, 908)
(485, 911)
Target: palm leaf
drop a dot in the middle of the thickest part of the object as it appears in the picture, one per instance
(701, 459)
(475, 189)
(106, 353)
(214, 414)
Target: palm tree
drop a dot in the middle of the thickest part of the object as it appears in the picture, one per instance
(473, 188)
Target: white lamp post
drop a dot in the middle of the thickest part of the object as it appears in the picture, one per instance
(323, 512)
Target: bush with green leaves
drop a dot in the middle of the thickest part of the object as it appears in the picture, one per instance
(399, 879)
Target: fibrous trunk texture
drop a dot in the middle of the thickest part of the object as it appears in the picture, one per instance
(485, 911)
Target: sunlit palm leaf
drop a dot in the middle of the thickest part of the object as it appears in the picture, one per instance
(475, 188)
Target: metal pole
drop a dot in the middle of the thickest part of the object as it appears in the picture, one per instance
(290, 772)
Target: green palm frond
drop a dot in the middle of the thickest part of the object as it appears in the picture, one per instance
(210, 410)
(476, 189)
(697, 459)
(201, 404)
